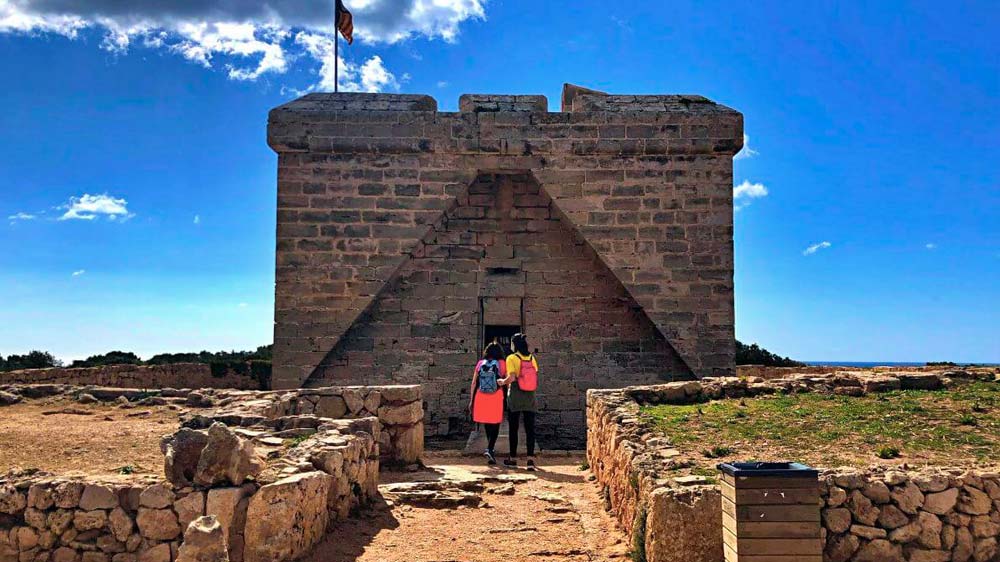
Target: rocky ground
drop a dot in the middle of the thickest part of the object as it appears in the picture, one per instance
(70, 438)
(458, 509)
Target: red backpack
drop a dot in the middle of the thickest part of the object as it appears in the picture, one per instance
(527, 379)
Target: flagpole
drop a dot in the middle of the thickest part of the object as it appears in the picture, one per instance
(336, 50)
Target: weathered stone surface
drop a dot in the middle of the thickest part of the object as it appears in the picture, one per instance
(908, 497)
(841, 548)
(973, 501)
(8, 398)
(682, 525)
(12, 501)
(158, 553)
(189, 508)
(120, 524)
(891, 517)
(181, 454)
(331, 407)
(67, 494)
(40, 496)
(403, 415)
(868, 533)
(941, 502)
(226, 458)
(862, 508)
(98, 497)
(286, 518)
(876, 491)
(229, 507)
(837, 520)
(158, 524)
(90, 520)
(157, 496)
(880, 550)
(930, 530)
(204, 541)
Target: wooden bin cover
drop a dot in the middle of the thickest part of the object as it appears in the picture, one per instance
(770, 512)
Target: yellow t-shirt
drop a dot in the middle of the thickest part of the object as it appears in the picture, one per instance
(514, 363)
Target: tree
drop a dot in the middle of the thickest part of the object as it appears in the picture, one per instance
(756, 355)
(109, 358)
(31, 360)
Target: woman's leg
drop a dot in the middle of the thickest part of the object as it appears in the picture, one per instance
(513, 420)
(529, 431)
(492, 432)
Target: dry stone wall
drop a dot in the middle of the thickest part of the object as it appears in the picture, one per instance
(941, 514)
(232, 460)
(385, 240)
(177, 375)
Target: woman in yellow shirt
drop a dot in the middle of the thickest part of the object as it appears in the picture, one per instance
(522, 367)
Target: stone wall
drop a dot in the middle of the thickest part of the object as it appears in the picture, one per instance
(269, 510)
(402, 230)
(943, 514)
(177, 375)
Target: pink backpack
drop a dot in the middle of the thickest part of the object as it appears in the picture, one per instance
(527, 380)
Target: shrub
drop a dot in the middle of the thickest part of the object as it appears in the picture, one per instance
(718, 451)
(756, 355)
(887, 452)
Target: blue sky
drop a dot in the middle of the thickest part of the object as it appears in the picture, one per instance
(872, 128)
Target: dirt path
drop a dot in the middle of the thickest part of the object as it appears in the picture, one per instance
(553, 514)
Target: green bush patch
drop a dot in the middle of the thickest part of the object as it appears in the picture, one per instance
(961, 424)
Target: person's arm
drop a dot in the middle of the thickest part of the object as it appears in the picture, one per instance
(512, 367)
(472, 389)
(504, 371)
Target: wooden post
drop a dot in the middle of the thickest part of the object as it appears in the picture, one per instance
(770, 512)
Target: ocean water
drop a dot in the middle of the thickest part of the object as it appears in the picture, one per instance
(878, 364)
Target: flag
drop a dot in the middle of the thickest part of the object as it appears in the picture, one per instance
(345, 22)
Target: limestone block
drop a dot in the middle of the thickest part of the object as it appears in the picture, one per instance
(908, 497)
(837, 520)
(40, 496)
(286, 518)
(158, 553)
(354, 400)
(228, 506)
(331, 407)
(120, 524)
(880, 550)
(90, 520)
(189, 508)
(60, 520)
(973, 501)
(891, 517)
(684, 525)
(399, 393)
(12, 501)
(940, 503)
(181, 453)
(157, 496)
(204, 541)
(840, 548)
(408, 443)
(158, 524)
(226, 458)
(401, 415)
(98, 497)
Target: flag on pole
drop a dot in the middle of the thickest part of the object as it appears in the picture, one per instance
(345, 22)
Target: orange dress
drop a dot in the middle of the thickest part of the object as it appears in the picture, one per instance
(488, 408)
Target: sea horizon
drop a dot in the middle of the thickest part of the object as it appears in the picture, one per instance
(887, 364)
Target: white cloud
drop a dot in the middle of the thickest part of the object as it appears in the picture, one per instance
(815, 248)
(930, 246)
(442, 84)
(22, 216)
(246, 38)
(89, 207)
(79, 272)
(746, 151)
(243, 305)
(745, 192)
(371, 76)
(197, 219)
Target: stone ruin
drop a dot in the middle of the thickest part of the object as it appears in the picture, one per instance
(407, 238)
(235, 489)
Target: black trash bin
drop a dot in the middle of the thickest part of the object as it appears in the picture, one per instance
(770, 512)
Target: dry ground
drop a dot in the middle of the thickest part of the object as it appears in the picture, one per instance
(98, 439)
(506, 528)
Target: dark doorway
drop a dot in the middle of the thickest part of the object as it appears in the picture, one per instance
(501, 334)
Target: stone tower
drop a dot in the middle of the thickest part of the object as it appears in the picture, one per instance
(408, 238)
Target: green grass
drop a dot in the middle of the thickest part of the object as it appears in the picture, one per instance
(962, 424)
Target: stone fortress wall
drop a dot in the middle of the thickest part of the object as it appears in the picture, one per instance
(943, 514)
(604, 231)
(231, 460)
(176, 375)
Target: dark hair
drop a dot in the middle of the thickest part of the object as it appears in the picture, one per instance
(520, 343)
(493, 351)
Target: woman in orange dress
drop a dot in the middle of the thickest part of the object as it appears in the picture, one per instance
(486, 404)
